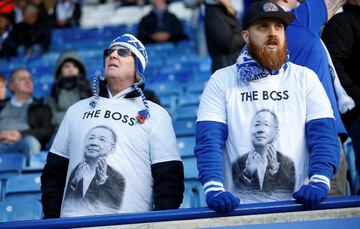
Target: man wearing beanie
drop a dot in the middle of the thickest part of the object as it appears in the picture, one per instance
(114, 152)
(265, 125)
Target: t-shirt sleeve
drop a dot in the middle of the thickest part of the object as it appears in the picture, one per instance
(60, 145)
(163, 146)
(213, 103)
(317, 103)
(312, 14)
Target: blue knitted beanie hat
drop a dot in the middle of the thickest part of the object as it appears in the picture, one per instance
(141, 59)
(137, 48)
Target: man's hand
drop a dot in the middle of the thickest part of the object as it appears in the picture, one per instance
(9, 136)
(101, 171)
(250, 165)
(273, 163)
(312, 194)
(160, 36)
(222, 202)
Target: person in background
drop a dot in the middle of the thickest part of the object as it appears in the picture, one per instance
(32, 36)
(25, 122)
(18, 11)
(223, 33)
(3, 89)
(67, 13)
(7, 42)
(198, 25)
(263, 81)
(160, 25)
(140, 144)
(341, 36)
(70, 85)
(307, 49)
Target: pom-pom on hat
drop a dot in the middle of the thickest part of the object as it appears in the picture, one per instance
(136, 47)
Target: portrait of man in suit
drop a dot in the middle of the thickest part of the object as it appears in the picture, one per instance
(263, 168)
(93, 182)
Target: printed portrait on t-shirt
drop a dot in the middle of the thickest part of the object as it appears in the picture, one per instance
(263, 169)
(93, 183)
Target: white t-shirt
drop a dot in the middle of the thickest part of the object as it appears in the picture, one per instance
(295, 96)
(128, 182)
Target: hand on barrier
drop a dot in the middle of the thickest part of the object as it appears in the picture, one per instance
(222, 202)
(312, 194)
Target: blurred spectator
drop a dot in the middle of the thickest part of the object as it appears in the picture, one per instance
(43, 11)
(160, 25)
(32, 36)
(223, 33)
(132, 2)
(306, 49)
(67, 13)
(2, 88)
(25, 122)
(70, 85)
(18, 11)
(7, 42)
(341, 36)
(197, 23)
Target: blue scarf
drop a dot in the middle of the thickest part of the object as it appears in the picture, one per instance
(249, 69)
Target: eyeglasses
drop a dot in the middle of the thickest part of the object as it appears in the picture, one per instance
(123, 52)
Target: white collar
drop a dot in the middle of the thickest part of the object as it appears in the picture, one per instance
(15, 102)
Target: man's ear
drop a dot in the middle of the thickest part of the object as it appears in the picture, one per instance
(245, 35)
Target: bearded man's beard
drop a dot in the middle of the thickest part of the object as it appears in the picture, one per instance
(270, 60)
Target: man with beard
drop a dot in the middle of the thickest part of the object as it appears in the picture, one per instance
(263, 79)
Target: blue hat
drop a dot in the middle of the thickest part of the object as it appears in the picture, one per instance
(136, 47)
(141, 59)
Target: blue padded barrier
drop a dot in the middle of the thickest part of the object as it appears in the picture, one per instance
(180, 214)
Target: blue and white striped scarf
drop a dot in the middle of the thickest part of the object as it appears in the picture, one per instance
(248, 69)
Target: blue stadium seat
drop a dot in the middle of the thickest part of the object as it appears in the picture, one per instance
(184, 128)
(186, 113)
(354, 174)
(11, 164)
(194, 194)
(166, 88)
(186, 146)
(20, 210)
(37, 162)
(189, 99)
(195, 87)
(190, 168)
(24, 187)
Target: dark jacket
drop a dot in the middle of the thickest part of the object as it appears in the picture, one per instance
(73, 21)
(223, 36)
(341, 36)
(67, 91)
(111, 194)
(29, 35)
(168, 187)
(282, 180)
(39, 120)
(170, 23)
(8, 45)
